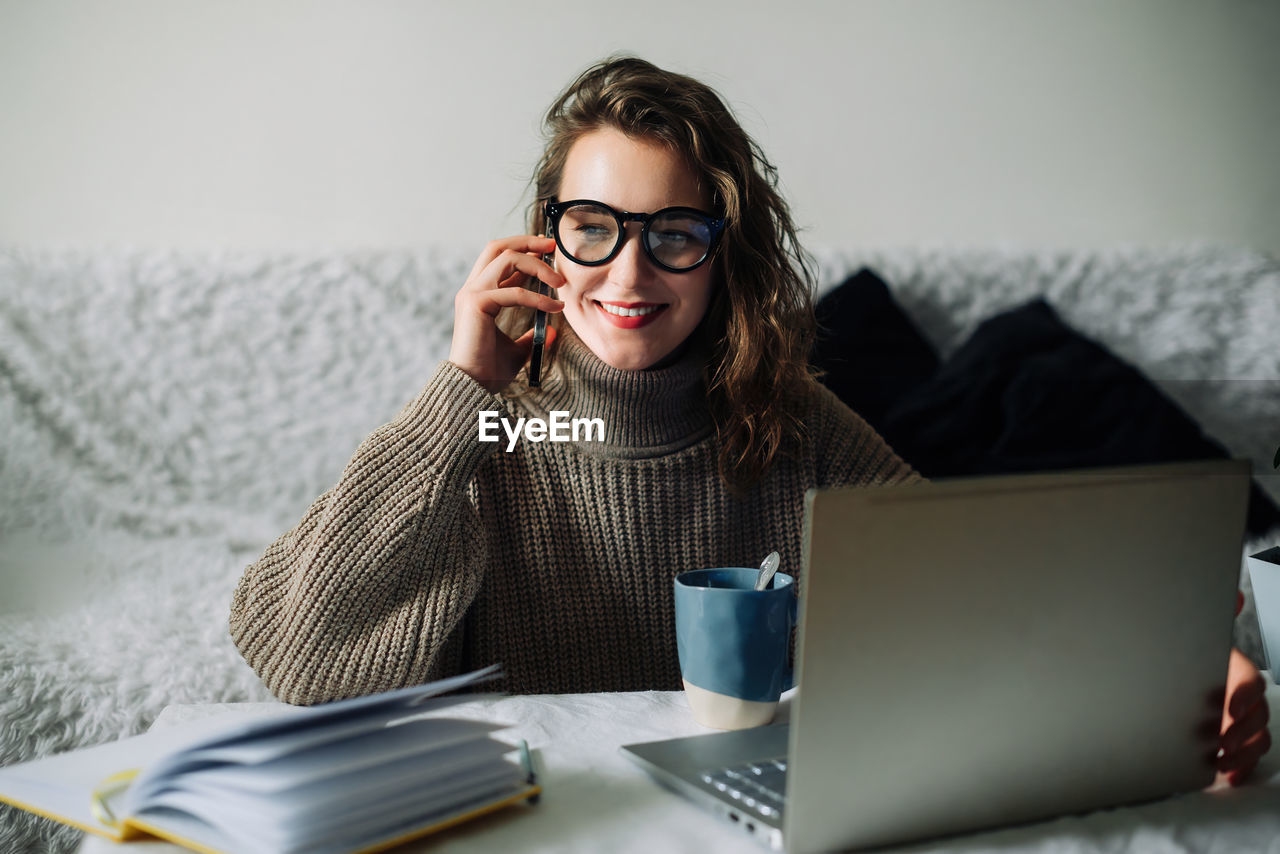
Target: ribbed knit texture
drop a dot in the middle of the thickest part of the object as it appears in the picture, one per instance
(437, 553)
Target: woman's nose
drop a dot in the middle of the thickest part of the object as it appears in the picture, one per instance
(631, 264)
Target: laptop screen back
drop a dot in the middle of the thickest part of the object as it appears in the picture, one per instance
(1006, 649)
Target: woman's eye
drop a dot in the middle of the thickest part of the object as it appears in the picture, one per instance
(674, 236)
(596, 231)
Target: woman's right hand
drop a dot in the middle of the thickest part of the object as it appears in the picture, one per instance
(480, 348)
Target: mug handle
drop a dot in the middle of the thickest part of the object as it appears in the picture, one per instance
(789, 677)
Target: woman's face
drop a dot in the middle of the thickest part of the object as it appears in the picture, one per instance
(639, 176)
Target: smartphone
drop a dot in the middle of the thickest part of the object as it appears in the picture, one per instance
(539, 330)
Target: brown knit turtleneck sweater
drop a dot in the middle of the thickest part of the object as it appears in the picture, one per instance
(437, 553)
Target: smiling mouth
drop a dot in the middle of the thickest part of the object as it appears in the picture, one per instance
(633, 315)
(632, 310)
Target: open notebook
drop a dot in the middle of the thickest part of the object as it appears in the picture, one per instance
(356, 775)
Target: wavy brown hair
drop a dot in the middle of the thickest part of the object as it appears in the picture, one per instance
(759, 326)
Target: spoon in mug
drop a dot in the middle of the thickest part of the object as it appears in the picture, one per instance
(768, 567)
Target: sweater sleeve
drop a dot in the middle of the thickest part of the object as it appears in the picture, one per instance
(853, 453)
(363, 593)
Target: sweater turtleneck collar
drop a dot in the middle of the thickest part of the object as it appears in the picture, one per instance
(645, 413)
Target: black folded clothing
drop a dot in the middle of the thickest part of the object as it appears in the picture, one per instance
(1025, 393)
(871, 352)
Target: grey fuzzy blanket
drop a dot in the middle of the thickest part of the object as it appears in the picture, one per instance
(164, 416)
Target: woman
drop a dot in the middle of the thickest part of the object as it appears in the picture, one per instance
(682, 320)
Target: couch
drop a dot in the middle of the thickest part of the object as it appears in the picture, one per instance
(164, 415)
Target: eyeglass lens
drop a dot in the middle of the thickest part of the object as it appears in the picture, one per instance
(590, 233)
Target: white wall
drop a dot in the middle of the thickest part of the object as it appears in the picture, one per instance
(389, 123)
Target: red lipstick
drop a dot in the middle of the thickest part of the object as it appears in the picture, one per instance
(634, 321)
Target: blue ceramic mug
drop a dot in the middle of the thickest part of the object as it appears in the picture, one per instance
(734, 644)
(1264, 574)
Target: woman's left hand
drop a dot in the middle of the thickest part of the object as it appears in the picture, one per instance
(1244, 737)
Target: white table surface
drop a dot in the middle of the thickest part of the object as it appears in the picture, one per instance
(595, 800)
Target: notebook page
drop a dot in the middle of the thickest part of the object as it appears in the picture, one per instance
(62, 786)
(403, 786)
(331, 760)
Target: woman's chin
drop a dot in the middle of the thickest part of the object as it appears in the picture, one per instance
(629, 361)
(628, 349)
(624, 358)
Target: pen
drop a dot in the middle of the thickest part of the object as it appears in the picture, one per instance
(526, 761)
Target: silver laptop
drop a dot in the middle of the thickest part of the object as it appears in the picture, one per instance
(988, 651)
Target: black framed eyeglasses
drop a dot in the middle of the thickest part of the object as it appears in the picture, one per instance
(591, 233)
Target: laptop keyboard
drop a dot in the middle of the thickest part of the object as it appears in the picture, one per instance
(759, 786)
